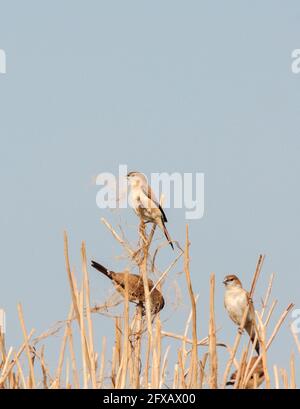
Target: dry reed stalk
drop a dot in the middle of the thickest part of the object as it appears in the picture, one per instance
(62, 350)
(143, 273)
(176, 377)
(262, 330)
(118, 238)
(271, 310)
(13, 362)
(86, 286)
(31, 383)
(122, 373)
(193, 372)
(202, 365)
(6, 363)
(181, 374)
(137, 348)
(70, 277)
(118, 340)
(73, 358)
(275, 331)
(267, 296)
(2, 347)
(239, 334)
(184, 339)
(84, 352)
(276, 377)
(21, 373)
(296, 339)
(68, 386)
(284, 377)
(75, 299)
(164, 366)
(213, 380)
(44, 368)
(102, 364)
(293, 372)
(164, 274)
(113, 367)
(241, 369)
(158, 349)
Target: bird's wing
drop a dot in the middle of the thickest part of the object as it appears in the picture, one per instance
(151, 196)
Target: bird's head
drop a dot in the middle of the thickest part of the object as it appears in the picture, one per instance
(136, 179)
(232, 281)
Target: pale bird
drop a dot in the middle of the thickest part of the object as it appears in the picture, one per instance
(136, 291)
(145, 204)
(236, 300)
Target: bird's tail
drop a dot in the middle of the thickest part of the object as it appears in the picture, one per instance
(168, 237)
(252, 334)
(102, 269)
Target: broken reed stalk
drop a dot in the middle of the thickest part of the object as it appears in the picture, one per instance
(31, 382)
(193, 372)
(90, 337)
(242, 326)
(212, 337)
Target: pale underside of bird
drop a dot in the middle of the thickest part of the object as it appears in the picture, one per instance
(136, 292)
(256, 378)
(236, 301)
(145, 204)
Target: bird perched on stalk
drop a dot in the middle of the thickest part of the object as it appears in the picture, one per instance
(236, 301)
(145, 203)
(136, 291)
(256, 378)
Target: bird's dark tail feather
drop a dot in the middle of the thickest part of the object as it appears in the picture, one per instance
(252, 337)
(102, 269)
(168, 236)
(256, 345)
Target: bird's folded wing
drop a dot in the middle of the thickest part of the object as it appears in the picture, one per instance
(150, 201)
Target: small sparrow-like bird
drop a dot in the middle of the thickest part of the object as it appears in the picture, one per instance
(135, 288)
(145, 203)
(236, 300)
(257, 377)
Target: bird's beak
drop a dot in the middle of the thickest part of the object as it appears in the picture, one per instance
(224, 282)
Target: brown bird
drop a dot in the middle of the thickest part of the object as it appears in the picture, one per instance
(145, 203)
(236, 300)
(135, 288)
(257, 377)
